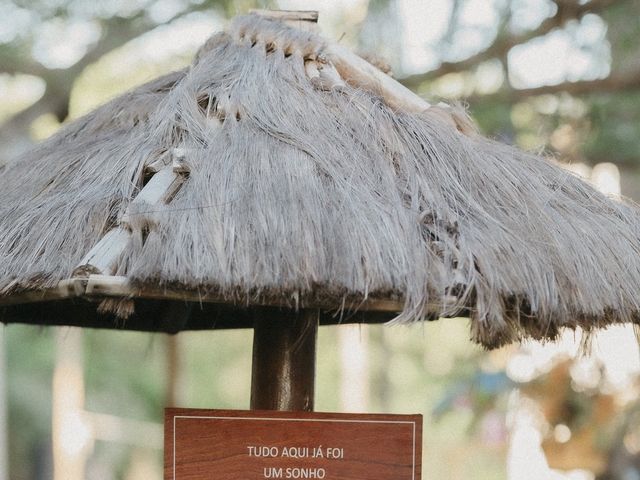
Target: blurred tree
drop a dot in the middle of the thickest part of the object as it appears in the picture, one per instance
(30, 371)
(592, 429)
(592, 115)
(564, 14)
(29, 30)
(588, 115)
(465, 53)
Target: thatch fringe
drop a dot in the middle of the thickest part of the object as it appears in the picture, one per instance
(296, 188)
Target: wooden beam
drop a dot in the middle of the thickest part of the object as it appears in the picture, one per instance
(342, 65)
(101, 286)
(353, 68)
(289, 15)
(4, 424)
(159, 189)
(358, 72)
(115, 286)
(70, 288)
(323, 75)
(284, 361)
(169, 316)
(102, 258)
(172, 357)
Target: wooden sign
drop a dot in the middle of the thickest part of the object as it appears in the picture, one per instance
(255, 445)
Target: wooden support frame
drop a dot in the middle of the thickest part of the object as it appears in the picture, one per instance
(284, 349)
(354, 69)
(103, 257)
(65, 289)
(289, 15)
(108, 286)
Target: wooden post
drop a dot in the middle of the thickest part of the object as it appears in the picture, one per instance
(4, 400)
(72, 434)
(173, 370)
(354, 389)
(284, 361)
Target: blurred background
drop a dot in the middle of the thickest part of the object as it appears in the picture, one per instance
(555, 76)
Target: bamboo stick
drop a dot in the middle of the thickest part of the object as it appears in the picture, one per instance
(103, 257)
(159, 189)
(358, 72)
(70, 288)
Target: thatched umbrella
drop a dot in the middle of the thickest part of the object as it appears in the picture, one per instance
(282, 181)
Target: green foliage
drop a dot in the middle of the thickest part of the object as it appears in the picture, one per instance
(113, 386)
(624, 18)
(29, 375)
(615, 126)
(494, 119)
(217, 369)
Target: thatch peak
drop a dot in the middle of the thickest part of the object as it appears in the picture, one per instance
(271, 172)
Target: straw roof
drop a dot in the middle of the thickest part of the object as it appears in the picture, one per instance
(266, 174)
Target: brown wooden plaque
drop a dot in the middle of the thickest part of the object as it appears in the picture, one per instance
(256, 445)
